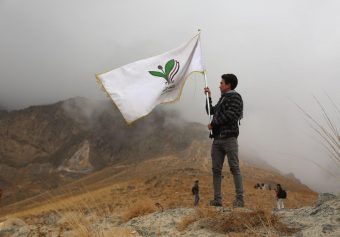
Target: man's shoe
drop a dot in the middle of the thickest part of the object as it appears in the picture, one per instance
(215, 203)
(238, 203)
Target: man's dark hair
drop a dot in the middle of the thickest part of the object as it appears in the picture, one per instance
(279, 186)
(230, 79)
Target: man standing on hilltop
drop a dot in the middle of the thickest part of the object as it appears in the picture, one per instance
(226, 116)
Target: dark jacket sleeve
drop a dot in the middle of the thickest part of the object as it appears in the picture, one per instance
(231, 111)
(195, 190)
(212, 108)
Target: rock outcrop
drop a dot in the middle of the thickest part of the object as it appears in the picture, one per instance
(323, 219)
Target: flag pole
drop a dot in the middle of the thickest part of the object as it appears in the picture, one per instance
(207, 95)
(208, 103)
(206, 85)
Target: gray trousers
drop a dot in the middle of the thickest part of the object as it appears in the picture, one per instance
(219, 149)
(197, 199)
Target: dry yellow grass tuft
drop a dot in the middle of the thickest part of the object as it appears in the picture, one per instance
(140, 208)
(237, 222)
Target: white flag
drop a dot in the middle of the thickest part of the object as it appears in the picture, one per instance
(138, 87)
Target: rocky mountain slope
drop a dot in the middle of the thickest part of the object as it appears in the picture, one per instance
(43, 147)
(106, 173)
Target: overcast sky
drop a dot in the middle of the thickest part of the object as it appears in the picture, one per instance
(281, 51)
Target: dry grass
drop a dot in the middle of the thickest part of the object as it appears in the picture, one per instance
(76, 214)
(327, 129)
(171, 191)
(257, 222)
(170, 185)
(81, 203)
(140, 208)
(125, 198)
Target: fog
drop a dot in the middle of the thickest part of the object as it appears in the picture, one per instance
(283, 52)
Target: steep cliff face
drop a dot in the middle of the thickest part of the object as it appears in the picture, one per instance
(80, 160)
(42, 147)
(35, 134)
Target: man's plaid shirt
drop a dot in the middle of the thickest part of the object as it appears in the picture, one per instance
(227, 113)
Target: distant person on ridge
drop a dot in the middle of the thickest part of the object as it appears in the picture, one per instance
(195, 191)
(280, 195)
(226, 116)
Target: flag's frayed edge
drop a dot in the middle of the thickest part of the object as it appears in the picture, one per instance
(100, 83)
(102, 87)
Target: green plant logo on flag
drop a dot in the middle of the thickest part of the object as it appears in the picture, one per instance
(168, 73)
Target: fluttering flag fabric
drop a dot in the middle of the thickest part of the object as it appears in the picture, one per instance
(137, 88)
